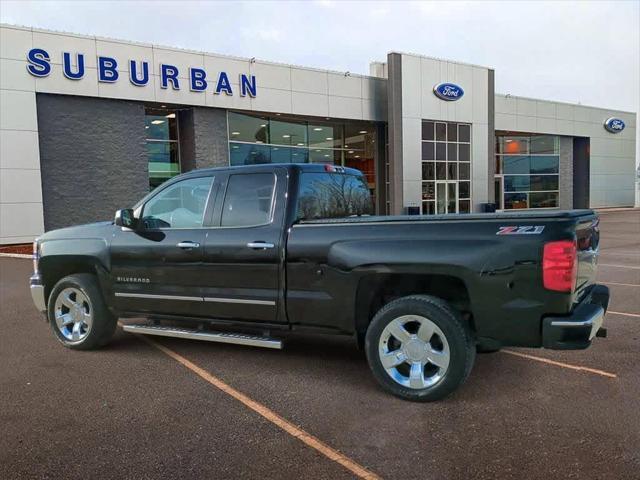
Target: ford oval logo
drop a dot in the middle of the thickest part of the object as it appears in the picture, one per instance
(614, 125)
(448, 91)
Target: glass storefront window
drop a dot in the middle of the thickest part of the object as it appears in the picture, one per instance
(427, 131)
(250, 154)
(464, 152)
(545, 164)
(428, 151)
(160, 127)
(515, 164)
(446, 158)
(464, 171)
(246, 128)
(428, 171)
(543, 200)
(325, 135)
(288, 155)
(163, 152)
(281, 139)
(324, 155)
(546, 144)
(464, 133)
(515, 201)
(288, 133)
(527, 171)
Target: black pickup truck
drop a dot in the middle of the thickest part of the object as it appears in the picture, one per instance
(246, 254)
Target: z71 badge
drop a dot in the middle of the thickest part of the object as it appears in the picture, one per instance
(520, 230)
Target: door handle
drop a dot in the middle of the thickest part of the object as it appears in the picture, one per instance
(260, 245)
(187, 245)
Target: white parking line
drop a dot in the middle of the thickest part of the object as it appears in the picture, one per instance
(623, 284)
(617, 266)
(280, 422)
(561, 364)
(623, 313)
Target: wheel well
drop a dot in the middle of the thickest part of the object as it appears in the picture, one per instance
(375, 291)
(55, 269)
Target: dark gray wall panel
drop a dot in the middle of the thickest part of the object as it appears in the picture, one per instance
(566, 173)
(491, 108)
(92, 157)
(581, 172)
(187, 140)
(394, 115)
(210, 137)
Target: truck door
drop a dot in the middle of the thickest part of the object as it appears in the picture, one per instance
(157, 268)
(244, 248)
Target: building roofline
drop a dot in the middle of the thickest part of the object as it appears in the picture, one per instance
(509, 95)
(186, 50)
(440, 59)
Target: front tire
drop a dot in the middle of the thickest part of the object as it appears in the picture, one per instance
(419, 349)
(78, 315)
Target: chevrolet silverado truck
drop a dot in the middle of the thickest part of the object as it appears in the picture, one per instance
(248, 254)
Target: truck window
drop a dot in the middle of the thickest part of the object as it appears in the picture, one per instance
(249, 200)
(181, 205)
(332, 195)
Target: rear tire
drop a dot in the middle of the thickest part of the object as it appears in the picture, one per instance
(419, 348)
(79, 318)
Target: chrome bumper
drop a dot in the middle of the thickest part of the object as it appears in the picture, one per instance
(37, 293)
(576, 330)
(594, 322)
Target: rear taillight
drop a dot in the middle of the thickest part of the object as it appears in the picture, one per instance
(560, 266)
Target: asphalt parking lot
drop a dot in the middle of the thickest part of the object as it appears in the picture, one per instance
(132, 411)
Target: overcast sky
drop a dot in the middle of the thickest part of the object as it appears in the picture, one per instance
(587, 52)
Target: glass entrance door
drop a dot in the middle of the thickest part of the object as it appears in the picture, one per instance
(446, 197)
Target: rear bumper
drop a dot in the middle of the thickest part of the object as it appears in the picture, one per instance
(577, 330)
(37, 293)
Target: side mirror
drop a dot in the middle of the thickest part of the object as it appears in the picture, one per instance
(125, 218)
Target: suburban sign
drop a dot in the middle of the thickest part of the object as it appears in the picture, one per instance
(73, 68)
(614, 125)
(448, 91)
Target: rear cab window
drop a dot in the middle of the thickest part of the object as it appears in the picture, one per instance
(332, 195)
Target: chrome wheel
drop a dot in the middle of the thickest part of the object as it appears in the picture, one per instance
(414, 352)
(73, 314)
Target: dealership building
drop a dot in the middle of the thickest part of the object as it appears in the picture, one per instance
(89, 125)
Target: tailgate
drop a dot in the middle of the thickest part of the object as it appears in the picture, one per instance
(588, 239)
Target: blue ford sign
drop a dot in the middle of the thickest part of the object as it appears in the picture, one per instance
(448, 91)
(109, 71)
(614, 125)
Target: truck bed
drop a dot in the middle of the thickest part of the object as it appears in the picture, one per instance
(526, 215)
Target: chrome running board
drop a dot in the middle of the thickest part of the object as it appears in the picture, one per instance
(192, 334)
